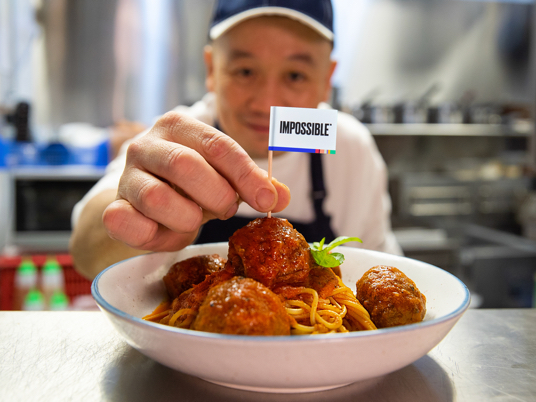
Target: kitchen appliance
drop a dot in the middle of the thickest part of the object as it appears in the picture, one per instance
(39, 201)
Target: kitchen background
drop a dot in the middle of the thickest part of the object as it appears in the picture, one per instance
(446, 87)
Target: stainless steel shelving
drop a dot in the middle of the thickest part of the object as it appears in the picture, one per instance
(61, 172)
(519, 129)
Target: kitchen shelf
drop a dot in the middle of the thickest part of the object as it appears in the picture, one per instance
(62, 172)
(520, 129)
(31, 242)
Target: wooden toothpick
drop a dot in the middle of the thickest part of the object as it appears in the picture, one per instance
(270, 154)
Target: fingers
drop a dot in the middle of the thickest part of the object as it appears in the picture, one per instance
(124, 223)
(156, 200)
(121, 218)
(178, 176)
(225, 156)
(283, 195)
(186, 170)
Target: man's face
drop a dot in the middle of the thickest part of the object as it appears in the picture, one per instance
(263, 62)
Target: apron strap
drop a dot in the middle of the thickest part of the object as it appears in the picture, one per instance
(318, 195)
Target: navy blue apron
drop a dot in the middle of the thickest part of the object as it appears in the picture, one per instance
(219, 231)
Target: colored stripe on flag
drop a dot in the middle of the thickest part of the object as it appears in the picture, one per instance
(308, 150)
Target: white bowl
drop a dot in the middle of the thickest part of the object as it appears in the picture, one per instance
(130, 289)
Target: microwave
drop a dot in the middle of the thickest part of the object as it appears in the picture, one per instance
(36, 205)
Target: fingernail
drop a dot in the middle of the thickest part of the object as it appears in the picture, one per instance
(276, 182)
(232, 211)
(265, 199)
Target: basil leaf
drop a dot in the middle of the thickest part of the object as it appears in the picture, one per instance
(338, 257)
(316, 246)
(324, 258)
(341, 240)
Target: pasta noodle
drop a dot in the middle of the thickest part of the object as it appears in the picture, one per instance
(340, 312)
(161, 311)
(185, 322)
(309, 313)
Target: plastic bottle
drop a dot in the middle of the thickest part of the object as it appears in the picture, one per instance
(534, 291)
(5, 208)
(34, 301)
(25, 280)
(58, 301)
(52, 280)
(4, 197)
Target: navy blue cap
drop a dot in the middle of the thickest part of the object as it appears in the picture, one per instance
(316, 14)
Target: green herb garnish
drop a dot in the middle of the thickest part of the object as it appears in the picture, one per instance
(322, 255)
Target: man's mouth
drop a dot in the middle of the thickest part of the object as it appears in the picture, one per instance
(260, 128)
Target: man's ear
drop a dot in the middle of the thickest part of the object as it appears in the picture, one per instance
(209, 65)
(332, 66)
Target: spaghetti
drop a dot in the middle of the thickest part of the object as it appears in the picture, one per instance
(340, 312)
(160, 312)
(309, 314)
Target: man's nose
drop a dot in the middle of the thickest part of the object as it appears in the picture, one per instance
(266, 93)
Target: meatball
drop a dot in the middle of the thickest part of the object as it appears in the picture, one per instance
(390, 297)
(242, 306)
(184, 274)
(270, 251)
(192, 298)
(323, 280)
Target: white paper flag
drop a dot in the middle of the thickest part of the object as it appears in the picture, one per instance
(297, 129)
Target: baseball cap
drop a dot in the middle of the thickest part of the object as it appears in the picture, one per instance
(316, 14)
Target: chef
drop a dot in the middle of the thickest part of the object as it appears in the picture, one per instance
(200, 172)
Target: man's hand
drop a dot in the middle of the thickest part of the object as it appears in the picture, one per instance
(180, 175)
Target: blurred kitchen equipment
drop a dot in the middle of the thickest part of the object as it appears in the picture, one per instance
(526, 214)
(23, 150)
(490, 202)
(444, 113)
(369, 112)
(404, 47)
(121, 59)
(20, 120)
(415, 111)
(37, 217)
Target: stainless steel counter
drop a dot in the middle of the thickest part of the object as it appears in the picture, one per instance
(59, 356)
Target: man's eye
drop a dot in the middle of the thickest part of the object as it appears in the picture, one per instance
(296, 77)
(245, 72)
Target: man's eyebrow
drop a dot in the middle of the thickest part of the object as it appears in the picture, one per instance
(240, 54)
(303, 57)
